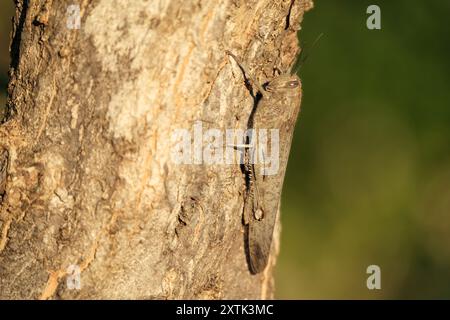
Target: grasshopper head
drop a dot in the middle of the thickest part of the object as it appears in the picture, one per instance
(290, 85)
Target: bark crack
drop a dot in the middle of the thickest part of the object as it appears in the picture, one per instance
(53, 280)
(47, 111)
(4, 237)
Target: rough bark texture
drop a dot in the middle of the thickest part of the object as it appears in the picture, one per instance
(89, 180)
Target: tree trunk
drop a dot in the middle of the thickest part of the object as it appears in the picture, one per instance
(87, 182)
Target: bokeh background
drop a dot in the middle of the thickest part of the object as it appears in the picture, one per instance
(368, 180)
(6, 14)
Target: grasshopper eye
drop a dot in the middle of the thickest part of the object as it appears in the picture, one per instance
(293, 84)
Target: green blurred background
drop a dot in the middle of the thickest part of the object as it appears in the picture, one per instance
(368, 180)
(369, 175)
(6, 14)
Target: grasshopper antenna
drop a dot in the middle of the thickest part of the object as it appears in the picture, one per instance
(303, 57)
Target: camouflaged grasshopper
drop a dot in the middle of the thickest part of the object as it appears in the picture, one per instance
(277, 107)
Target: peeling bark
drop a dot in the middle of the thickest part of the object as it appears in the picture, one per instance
(86, 175)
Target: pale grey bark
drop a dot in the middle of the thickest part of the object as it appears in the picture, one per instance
(90, 181)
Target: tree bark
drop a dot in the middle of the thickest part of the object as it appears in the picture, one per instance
(87, 178)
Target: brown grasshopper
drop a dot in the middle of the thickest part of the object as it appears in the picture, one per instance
(277, 107)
